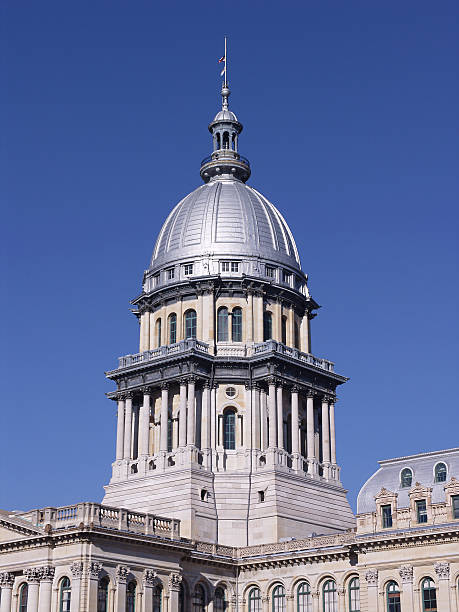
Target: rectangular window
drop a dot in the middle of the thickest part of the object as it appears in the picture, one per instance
(421, 511)
(386, 512)
(455, 504)
(188, 269)
(156, 280)
(170, 273)
(286, 276)
(234, 266)
(269, 271)
(229, 266)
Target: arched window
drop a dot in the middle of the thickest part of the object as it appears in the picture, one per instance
(23, 597)
(406, 477)
(267, 326)
(284, 330)
(222, 324)
(330, 596)
(354, 595)
(236, 325)
(218, 140)
(304, 598)
(220, 603)
(296, 334)
(254, 600)
(102, 595)
(279, 599)
(440, 472)
(172, 328)
(393, 597)
(229, 429)
(181, 599)
(225, 140)
(64, 595)
(130, 596)
(429, 595)
(158, 332)
(199, 599)
(190, 325)
(157, 598)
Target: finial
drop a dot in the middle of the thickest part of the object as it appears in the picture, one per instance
(225, 95)
(224, 73)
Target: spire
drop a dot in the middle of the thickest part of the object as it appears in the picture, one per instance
(225, 160)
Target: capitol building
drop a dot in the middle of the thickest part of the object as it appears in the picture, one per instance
(225, 490)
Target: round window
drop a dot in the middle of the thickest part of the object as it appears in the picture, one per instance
(230, 392)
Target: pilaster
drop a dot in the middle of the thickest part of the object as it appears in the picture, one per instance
(93, 572)
(6, 586)
(76, 569)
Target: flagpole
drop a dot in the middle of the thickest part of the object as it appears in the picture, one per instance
(226, 79)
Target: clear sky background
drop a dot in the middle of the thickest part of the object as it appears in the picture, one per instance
(350, 113)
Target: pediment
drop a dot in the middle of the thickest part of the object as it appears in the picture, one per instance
(385, 494)
(419, 491)
(452, 487)
(14, 528)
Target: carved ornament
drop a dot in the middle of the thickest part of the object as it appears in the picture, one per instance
(175, 580)
(32, 574)
(150, 578)
(77, 569)
(442, 570)
(371, 577)
(122, 572)
(6, 580)
(47, 572)
(406, 573)
(94, 569)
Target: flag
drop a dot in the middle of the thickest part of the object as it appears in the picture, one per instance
(222, 59)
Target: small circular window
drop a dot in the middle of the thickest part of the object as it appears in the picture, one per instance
(230, 392)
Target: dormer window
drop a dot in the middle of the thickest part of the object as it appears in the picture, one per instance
(269, 270)
(421, 511)
(156, 280)
(188, 269)
(440, 472)
(386, 514)
(170, 273)
(229, 266)
(406, 478)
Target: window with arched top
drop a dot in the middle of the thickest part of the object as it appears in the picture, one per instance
(218, 141)
(429, 595)
(102, 594)
(130, 596)
(296, 336)
(225, 140)
(172, 328)
(254, 600)
(278, 599)
(158, 332)
(330, 596)
(220, 603)
(284, 330)
(440, 472)
(181, 599)
(304, 597)
(393, 597)
(229, 429)
(23, 597)
(190, 325)
(222, 324)
(236, 325)
(199, 599)
(65, 593)
(267, 326)
(354, 595)
(406, 477)
(157, 598)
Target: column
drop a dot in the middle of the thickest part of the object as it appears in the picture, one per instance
(93, 572)
(442, 570)
(33, 579)
(263, 420)
(305, 343)
(152, 336)
(290, 326)
(206, 423)
(144, 331)
(256, 423)
(128, 427)
(175, 580)
(331, 407)
(325, 438)
(249, 317)
(276, 308)
(190, 440)
(406, 599)
(295, 429)
(164, 417)
(6, 585)
(45, 591)
(76, 569)
(371, 578)
(311, 454)
(180, 320)
(258, 317)
(199, 317)
(122, 573)
(120, 430)
(144, 424)
(182, 415)
(149, 582)
(213, 418)
(164, 338)
(247, 429)
(280, 416)
(272, 414)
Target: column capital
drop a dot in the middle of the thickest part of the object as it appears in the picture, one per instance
(295, 389)
(183, 382)
(310, 393)
(206, 384)
(406, 574)
(271, 380)
(164, 386)
(122, 572)
(129, 395)
(32, 574)
(442, 570)
(6, 580)
(77, 569)
(371, 577)
(120, 397)
(192, 378)
(175, 581)
(150, 578)
(47, 572)
(94, 569)
(147, 390)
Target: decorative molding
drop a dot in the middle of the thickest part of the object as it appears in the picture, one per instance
(175, 581)
(122, 572)
(150, 578)
(442, 570)
(6, 580)
(94, 569)
(47, 573)
(32, 574)
(406, 574)
(371, 577)
(77, 569)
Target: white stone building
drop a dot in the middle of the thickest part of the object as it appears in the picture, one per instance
(225, 491)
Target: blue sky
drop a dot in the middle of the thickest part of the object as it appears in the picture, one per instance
(351, 126)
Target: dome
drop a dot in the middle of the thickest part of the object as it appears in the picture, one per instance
(225, 115)
(225, 217)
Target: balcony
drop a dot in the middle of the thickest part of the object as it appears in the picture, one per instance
(184, 346)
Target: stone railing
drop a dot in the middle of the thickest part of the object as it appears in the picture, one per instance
(311, 543)
(97, 515)
(278, 347)
(183, 346)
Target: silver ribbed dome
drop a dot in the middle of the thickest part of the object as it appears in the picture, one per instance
(225, 115)
(225, 217)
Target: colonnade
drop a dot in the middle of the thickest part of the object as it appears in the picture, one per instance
(261, 424)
